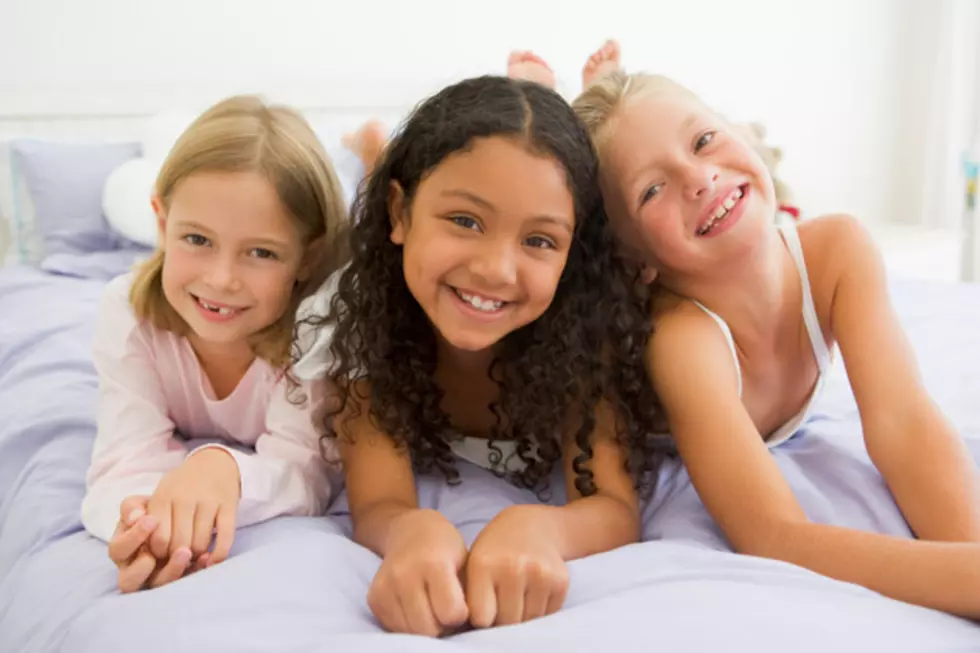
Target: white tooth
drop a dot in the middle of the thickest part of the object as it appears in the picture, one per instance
(737, 193)
(224, 311)
(720, 212)
(729, 203)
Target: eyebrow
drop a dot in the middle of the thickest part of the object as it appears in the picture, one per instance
(465, 194)
(476, 199)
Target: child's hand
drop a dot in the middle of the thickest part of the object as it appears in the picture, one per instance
(514, 572)
(417, 588)
(193, 502)
(138, 568)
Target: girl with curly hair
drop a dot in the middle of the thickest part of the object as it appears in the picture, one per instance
(483, 316)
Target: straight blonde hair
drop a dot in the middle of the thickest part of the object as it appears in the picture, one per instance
(599, 105)
(244, 134)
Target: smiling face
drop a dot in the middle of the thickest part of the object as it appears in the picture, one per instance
(231, 255)
(687, 195)
(485, 240)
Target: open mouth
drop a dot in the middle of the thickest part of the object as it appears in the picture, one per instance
(219, 310)
(724, 210)
(480, 303)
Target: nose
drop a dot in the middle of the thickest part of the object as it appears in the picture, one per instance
(699, 180)
(222, 274)
(495, 265)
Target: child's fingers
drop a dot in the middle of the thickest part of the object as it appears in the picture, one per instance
(481, 599)
(160, 540)
(204, 518)
(127, 541)
(133, 576)
(174, 569)
(446, 596)
(200, 563)
(511, 588)
(418, 610)
(181, 525)
(132, 508)
(225, 525)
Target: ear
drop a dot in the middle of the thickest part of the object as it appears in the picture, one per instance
(161, 213)
(396, 212)
(648, 274)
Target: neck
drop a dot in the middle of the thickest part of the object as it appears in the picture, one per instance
(462, 362)
(234, 354)
(755, 295)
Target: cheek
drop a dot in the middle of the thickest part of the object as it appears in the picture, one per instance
(543, 278)
(273, 287)
(658, 226)
(427, 257)
(179, 267)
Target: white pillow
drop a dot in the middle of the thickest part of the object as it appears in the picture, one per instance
(127, 191)
(126, 201)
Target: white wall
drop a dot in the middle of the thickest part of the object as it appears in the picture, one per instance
(826, 76)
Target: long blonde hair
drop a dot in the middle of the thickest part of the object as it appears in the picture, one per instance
(599, 105)
(244, 134)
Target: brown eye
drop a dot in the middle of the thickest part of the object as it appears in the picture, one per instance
(540, 242)
(465, 222)
(196, 239)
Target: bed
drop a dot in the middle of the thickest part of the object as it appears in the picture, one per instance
(300, 584)
(297, 584)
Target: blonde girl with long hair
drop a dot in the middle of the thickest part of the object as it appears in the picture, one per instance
(196, 343)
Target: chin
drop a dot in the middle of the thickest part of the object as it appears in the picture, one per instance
(469, 342)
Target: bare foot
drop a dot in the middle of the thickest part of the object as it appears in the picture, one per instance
(524, 64)
(367, 142)
(602, 61)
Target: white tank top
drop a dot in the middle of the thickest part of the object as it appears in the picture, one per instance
(821, 353)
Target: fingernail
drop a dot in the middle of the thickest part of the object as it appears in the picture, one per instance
(183, 556)
(134, 516)
(148, 524)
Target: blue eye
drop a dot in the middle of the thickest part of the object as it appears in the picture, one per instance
(261, 252)
(465, 222)
(196, 240)
(703, 141)
(540, 242)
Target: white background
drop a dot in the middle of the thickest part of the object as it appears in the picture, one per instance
(840, 84)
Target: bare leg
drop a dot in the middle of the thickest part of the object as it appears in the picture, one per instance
(524, 64)
(602, 61)
(367, 143)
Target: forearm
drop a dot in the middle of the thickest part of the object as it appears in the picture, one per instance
(932, 476)
(378, 526)
(939, 575)
(593, 525)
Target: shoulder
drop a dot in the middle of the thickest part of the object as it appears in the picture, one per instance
(115, 309)
(314, 333)
(839, 249)
(688, 344)
(117, 328)
(837, 240)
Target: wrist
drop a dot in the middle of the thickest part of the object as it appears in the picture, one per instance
(222, 457)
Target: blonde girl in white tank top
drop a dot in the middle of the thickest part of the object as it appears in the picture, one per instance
(746, 317)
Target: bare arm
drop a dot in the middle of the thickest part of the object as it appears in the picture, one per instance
(608, 519)
(926, 465)
(743, 489)
(378, 475)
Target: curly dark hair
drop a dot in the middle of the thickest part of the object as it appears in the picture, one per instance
(552, 373)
